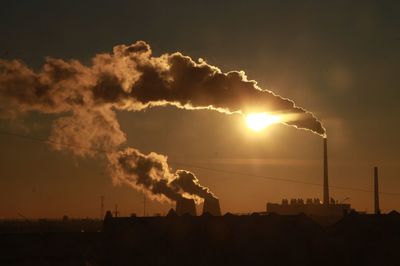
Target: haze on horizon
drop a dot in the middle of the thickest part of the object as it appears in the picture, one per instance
(338, 60)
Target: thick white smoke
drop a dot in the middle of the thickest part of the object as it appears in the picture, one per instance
(151, 174)
(130, 78)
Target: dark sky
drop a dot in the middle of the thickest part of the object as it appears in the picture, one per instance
(338, 59)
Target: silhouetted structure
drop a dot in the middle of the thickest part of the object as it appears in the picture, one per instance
(326, 184)
(101, 207)
(108, 215)
(211, 206)
(186, 206)
(312, 207)
(356, 239)
(171, 213)
(376, 191)
(116, 212)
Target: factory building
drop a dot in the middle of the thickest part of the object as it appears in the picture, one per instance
(313, 207)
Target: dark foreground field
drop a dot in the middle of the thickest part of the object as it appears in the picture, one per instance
(228, 240)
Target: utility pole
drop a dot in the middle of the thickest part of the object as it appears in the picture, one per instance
(144, 204)
(101, 207)
(376, 191)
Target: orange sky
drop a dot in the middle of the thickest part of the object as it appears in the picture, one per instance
(339, 61)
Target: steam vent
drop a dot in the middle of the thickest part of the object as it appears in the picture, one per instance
(185, 206)
(211, 206)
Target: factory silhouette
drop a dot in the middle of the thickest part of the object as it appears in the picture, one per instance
(329, 208)
(294, 232)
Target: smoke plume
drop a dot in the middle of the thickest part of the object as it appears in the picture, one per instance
(85, 99)
(151, 174)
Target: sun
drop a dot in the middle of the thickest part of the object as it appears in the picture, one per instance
(259, 121)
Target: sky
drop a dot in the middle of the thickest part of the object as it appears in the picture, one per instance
(337, 59)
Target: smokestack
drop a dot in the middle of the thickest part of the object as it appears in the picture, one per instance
(211, 206)
(185, 206)
(376, 191)
(326, 185)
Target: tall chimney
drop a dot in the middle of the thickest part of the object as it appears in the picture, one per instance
(326, 185)
(376, 191)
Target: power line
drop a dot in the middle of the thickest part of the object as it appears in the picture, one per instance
(197, 166)
(279, 179)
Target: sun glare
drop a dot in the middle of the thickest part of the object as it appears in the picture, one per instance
(259, 121)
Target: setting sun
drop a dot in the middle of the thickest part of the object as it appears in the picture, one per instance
(259, 121)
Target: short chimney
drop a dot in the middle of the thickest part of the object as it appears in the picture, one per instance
(211, 206)
(185, 206)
